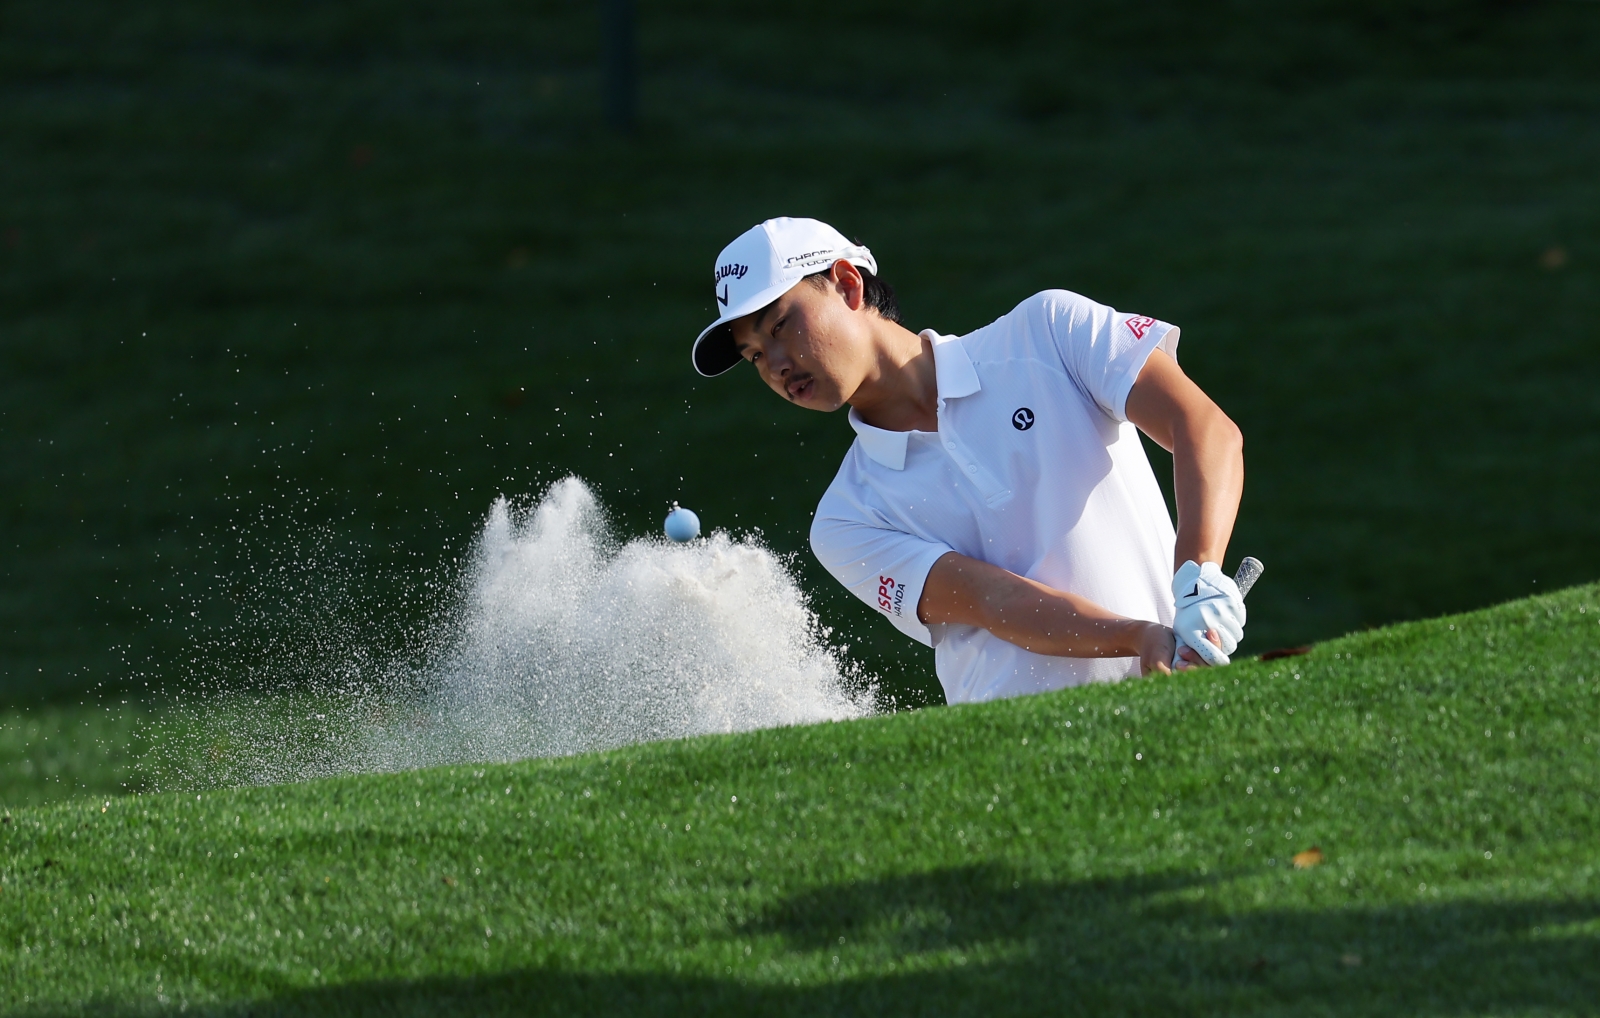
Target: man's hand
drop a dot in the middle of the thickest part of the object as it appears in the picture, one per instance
(1158, 648)
(1211, 616)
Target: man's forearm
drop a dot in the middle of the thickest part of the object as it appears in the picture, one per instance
(1047, 621)
(1208, 480)
(1025, 612)
(1207, 456)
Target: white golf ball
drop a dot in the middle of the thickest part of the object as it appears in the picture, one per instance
(682, 524)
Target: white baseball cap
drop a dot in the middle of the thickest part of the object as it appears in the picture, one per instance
(761, 265)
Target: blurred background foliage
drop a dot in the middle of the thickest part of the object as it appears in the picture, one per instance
(290, 292)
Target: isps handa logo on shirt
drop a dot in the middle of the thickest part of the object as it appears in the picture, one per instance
(891, 596)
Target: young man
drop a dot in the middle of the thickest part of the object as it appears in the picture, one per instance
(997, 504)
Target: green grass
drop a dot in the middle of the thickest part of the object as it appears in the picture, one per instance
(1116, 850)
(356, 268)
(59, 752)
(288, 293)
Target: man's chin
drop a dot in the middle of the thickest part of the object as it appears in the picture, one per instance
(814, 397)
(825, 402)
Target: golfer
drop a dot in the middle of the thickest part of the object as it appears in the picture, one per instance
(997, 504)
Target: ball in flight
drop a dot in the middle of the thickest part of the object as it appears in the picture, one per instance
(682, 524)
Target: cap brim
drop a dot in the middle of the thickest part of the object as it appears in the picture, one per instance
(714, 352)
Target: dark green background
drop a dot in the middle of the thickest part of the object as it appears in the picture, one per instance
(290, 292)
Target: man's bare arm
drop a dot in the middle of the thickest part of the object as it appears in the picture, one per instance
(1035, 617)
(1207, 455)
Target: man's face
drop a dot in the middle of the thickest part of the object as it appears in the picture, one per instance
(811, 345)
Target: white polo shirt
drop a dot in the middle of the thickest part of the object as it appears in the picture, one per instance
(1035, 468)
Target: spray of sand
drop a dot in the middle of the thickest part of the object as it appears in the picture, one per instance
(556, 639)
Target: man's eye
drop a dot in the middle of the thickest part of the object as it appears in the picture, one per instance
(754, 356)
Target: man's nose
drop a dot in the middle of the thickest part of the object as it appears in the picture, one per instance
(778, 362)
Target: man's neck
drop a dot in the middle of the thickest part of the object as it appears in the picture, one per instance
(902, 392)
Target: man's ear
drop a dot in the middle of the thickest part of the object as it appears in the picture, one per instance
(847, 280)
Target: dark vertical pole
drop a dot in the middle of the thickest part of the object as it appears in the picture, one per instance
(620, 77)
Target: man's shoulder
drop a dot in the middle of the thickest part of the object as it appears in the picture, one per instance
(1032, 317)
(845, 492)
(1032, 323)
(850, 499)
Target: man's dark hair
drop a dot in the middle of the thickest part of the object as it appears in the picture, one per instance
(879, 294)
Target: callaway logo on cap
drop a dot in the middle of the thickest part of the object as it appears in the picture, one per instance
(763, 264)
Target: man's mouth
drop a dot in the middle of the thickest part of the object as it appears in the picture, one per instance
(798, 387)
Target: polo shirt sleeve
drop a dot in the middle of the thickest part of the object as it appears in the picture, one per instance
(886, 568)
(1102, 349)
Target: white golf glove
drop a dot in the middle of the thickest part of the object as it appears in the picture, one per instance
(1207, 598)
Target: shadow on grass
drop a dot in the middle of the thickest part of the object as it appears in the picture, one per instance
(991, 944)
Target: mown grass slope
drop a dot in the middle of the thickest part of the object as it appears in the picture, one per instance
(1114, 850)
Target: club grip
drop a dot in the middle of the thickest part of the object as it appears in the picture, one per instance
(1250, 571)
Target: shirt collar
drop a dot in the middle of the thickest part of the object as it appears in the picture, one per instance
(952, 367)
(955, 377)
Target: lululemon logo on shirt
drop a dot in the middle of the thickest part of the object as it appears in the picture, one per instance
(1022, 420)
